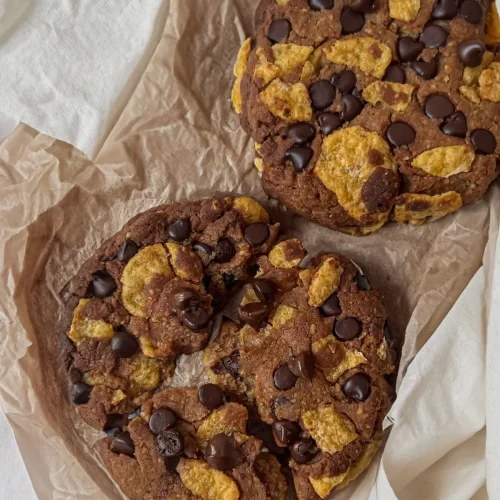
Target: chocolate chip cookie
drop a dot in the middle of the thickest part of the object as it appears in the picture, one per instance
(365, 111)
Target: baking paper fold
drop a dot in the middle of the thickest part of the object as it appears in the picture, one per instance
(179, 139)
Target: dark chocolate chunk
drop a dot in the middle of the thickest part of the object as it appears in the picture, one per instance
(483, 141)
(162, 420)
(472, 11)
(351, 21)
(351, 107)
(285, 432)
(123, 444)
(409, 49)
(400, 134)
(114, 420)
(80, 393)
(264, 432)
(322, 94)
(388, 335)
(395, 73)
(439, 106)
(253, 314)
(455, 125)
(123, 344)
(303, 450)
(264, 289)
(224, 251)
(362, 281)
(347, 329)
(329, 122)
(301, 133)
(200, 247)
(471, 52)
(434, 36)
(211, 396)
(445, 9)
(256, 234)
(222, 454)
(102, 285)
(127, 250)
(331, 307)
(170, 443)
(365, 6)
(321, 4)
(183, 297)
(195, 317)
(179, 229)
(302, 365)
(284, 379)
(357, 387)
(300, 157)
(279, 30)
(345, 81)
(425, 70)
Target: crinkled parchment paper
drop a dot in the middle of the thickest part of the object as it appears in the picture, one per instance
(176, 139)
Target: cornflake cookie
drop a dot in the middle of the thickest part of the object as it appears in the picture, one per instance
(297, 356)
(360, 107)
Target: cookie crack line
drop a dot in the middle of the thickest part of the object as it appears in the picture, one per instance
(297, 357)
(369, 112)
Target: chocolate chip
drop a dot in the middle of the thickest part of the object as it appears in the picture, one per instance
(102, 285)
(303, 450)
(80, 393)
(302, 365)
(300, 157)
(351, 107)
(331, 307)
(483, 141)
(357, 387)
(285, 432)
(253, 314)
(162, 420)
(328, 122)
(200, 247)
(321, 4)
(284, 379)
(322, 94)
(224, 251)
(123, 444)
(409, 49)
(256, 234)
(455, 125)
(379, 189)
(123, 344)
(363, 5)
(114, 420)
(221, 454)
(439, 106)
(471, 52)
(232, 363)
(211, 396)
(472, 11)
(425, 70)
(433, 36)
(395, 73)
(264, 432)
(264, 289)
(127, 250)
(345, 81)
(362, 281)
(301, 133)
(179, 229)
(279, 401)
(351, 21)
(388, 335)
(170, 443)
(347, 329)
(194, 316)
(400, 134)
(171, 463)
(183, 297)
(445, 9)
(279, 30)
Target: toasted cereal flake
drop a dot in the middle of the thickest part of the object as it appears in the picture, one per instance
(395, 95)
(344, 165)
(470, 93)
(187, 265)
(284, 314)
(149, 262)
(239, 71)
(489, 83)
(404, 10)
(351, 360)
(363, 230)
(325, 281)
(331, 431)
(290, 102)
(268, 469)
(323, 485)
(250, 210)
(361, 464)
(259, 164)
(264, 70)
(287, 56)
(287, 254)
(445, 161)
(118, 396)
(205, 482)
(471, 75)
(84, 328)
(492, 35)
(145, 375)
(415, 209)
(366, 53)
(232, 417)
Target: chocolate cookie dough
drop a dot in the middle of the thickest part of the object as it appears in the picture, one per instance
(368, 111)
(298, 357)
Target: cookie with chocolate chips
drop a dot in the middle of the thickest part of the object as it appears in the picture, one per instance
(362, 109)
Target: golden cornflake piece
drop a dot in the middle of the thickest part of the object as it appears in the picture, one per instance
(312, 66)
(350, 361)
(187, 265)
(318, 345)
(367, 54)
(282, 2)
(287, 254)
(324, 485)
(361, 464)
(141, 269)
(286, 101)
(239, 71)
(395, 95)
(471, 75)
(232, 417)
(145, 375)
(363, 230)
(250, 210)
(259, 164)
(489, 83)
(404, 10)
(118, 396)
(84, 328)
(416, 209)
(283, 315)
(265, 70)
(492, 35)
(205, 482)
(325, 281)
(445, 161)
(268, 470)
(470, 93)
(345, 165)
(382, 350)
(331, 431)
(287, 56)
(147, 347)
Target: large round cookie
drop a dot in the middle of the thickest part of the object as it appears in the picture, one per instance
(364, 111)
(298, 357)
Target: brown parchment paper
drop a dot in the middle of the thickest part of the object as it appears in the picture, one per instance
(177, 138)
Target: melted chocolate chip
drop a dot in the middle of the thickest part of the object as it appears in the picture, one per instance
(321, 4)
(472, 11)
(285, 432)
(194, 316)
(328, 122)
(253, 314)
(80, 393)
(445, 9)
(483, 141)
(365, 6)
(322, 94)
(358, 387)
(425, 70)
(221, 454)
(200, 247)
(170, 443)
(123, 344)
(127, 250)
(471, 52)
(301, 133)
(395, 73)
(183, 297)
(400, 134)
(102, 285)
(284, 379)
(179, 229)
(211, 396)
(455, 125)
(331, 307)
(347, 329)
(362, 282)
(123, 444)
(439, 106)
(264, 289)
(224, 251)
(409, 49)
(300, 157)
(351, 21)
(433, 36)
(351, 107)
(256, 234)
(388, 335)
(264, 432)
(302, 365)
(345, 81)
(303, 450)
(279, 30)
(162, 420)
